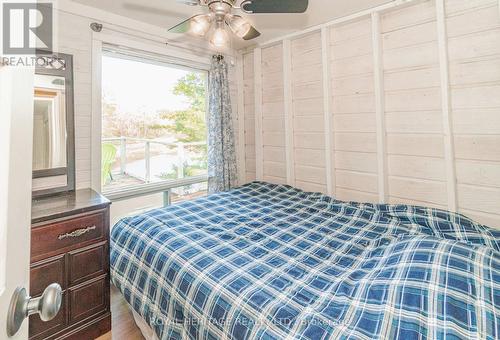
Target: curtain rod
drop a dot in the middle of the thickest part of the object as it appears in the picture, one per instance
(98, 27)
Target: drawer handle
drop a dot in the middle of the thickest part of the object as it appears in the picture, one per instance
(77, 233)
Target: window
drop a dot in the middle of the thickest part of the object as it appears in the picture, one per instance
(153, 124)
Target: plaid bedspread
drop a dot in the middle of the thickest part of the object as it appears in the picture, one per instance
(272, 262)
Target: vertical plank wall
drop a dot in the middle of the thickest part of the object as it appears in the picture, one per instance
(307, 113)
(413, 107)
(353, 109)
(474, 51)
(273, 116)
(249, 116)
(414, 101)
(76, 39)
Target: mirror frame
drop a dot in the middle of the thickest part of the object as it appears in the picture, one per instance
(69, 170)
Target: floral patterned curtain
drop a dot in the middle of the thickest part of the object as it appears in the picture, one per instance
(222, 172)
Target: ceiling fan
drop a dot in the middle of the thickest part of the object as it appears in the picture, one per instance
(220, 15)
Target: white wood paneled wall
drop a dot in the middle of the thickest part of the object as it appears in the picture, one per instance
(273, 116)
(413, 107)
(354, 111)
(473, 38)
(249, 116)
(308, 113)
(75, 38)
(401, 106)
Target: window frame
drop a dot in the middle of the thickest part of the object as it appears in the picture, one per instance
(155, 53)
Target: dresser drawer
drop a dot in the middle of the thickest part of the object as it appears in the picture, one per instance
(87, 263)
(89, 299)
(39, 329)
(46, 272)
(65, 235)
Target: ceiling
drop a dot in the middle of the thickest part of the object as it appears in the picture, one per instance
(167, 13)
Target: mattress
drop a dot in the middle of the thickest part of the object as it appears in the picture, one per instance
(268, 261)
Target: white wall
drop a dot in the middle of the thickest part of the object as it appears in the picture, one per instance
(273, 116)
(249, 117)
(411, 108)
(354, 111)
(75, 37)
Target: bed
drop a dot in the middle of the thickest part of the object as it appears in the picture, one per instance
(268, 261)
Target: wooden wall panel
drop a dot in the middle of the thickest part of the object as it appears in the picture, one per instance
(353, 106)
(273, 115)
(308, 120)
(249, 107)
(413, 103)
(474, 52)
(436, 86)
(76, 39)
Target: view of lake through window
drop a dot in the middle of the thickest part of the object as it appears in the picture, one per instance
(153, 124)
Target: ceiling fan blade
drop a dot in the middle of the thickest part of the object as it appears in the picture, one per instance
(275, 6)
(183, 27)
(252, 34)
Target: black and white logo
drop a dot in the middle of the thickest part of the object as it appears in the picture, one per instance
(27, 27)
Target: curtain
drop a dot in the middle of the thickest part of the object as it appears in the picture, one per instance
(222, 172)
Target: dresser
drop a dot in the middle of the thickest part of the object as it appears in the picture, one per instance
(70, 246)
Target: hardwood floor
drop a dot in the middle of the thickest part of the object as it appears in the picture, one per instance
(122, 322)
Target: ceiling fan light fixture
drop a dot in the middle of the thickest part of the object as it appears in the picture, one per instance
(239, 26)
(220, 15)
(220, 37)
(200, 25)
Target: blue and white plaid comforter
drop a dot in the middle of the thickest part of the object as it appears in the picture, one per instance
(272, 262)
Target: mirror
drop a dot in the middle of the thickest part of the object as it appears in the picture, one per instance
(49, 125)
(53, 129)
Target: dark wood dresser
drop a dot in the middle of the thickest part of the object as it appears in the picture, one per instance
(70, 246)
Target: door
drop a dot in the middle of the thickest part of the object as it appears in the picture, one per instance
(16, 131)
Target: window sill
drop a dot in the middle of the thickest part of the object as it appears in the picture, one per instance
(152, 188)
